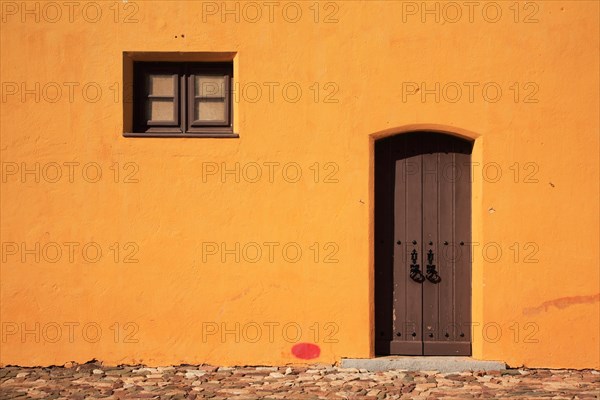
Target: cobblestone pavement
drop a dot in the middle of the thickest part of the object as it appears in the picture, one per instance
(93, 381)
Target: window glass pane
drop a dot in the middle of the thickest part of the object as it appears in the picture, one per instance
(209, 86)
(161, 85)
(209, 110)
(160, 110)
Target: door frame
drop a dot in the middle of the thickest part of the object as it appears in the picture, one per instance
(476, 223)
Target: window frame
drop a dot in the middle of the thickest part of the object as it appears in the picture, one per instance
(191, 73)
(184, 100)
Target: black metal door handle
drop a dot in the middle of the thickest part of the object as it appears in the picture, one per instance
(415, 273)
(432, 274)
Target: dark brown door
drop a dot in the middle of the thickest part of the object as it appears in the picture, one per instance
(422, 245)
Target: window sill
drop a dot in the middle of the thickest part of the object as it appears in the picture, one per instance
(208, 135)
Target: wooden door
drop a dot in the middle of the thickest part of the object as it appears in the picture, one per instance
(422, 251)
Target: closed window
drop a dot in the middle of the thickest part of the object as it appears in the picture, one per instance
(182, 99)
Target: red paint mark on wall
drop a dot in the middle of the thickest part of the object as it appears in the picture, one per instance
(562, 302)
(306, 351)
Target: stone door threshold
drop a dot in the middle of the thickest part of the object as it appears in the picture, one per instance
(417, 363)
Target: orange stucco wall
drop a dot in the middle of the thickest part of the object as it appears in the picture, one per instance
(164, 202)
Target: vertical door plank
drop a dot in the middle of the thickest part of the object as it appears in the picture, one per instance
(430, 237)
(401, 260)
(409, 222)
(384, 208)
(462, 234)
(446, 248)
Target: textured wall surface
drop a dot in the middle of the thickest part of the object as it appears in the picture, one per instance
(170, 286)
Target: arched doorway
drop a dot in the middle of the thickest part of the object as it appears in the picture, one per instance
(422, 244)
